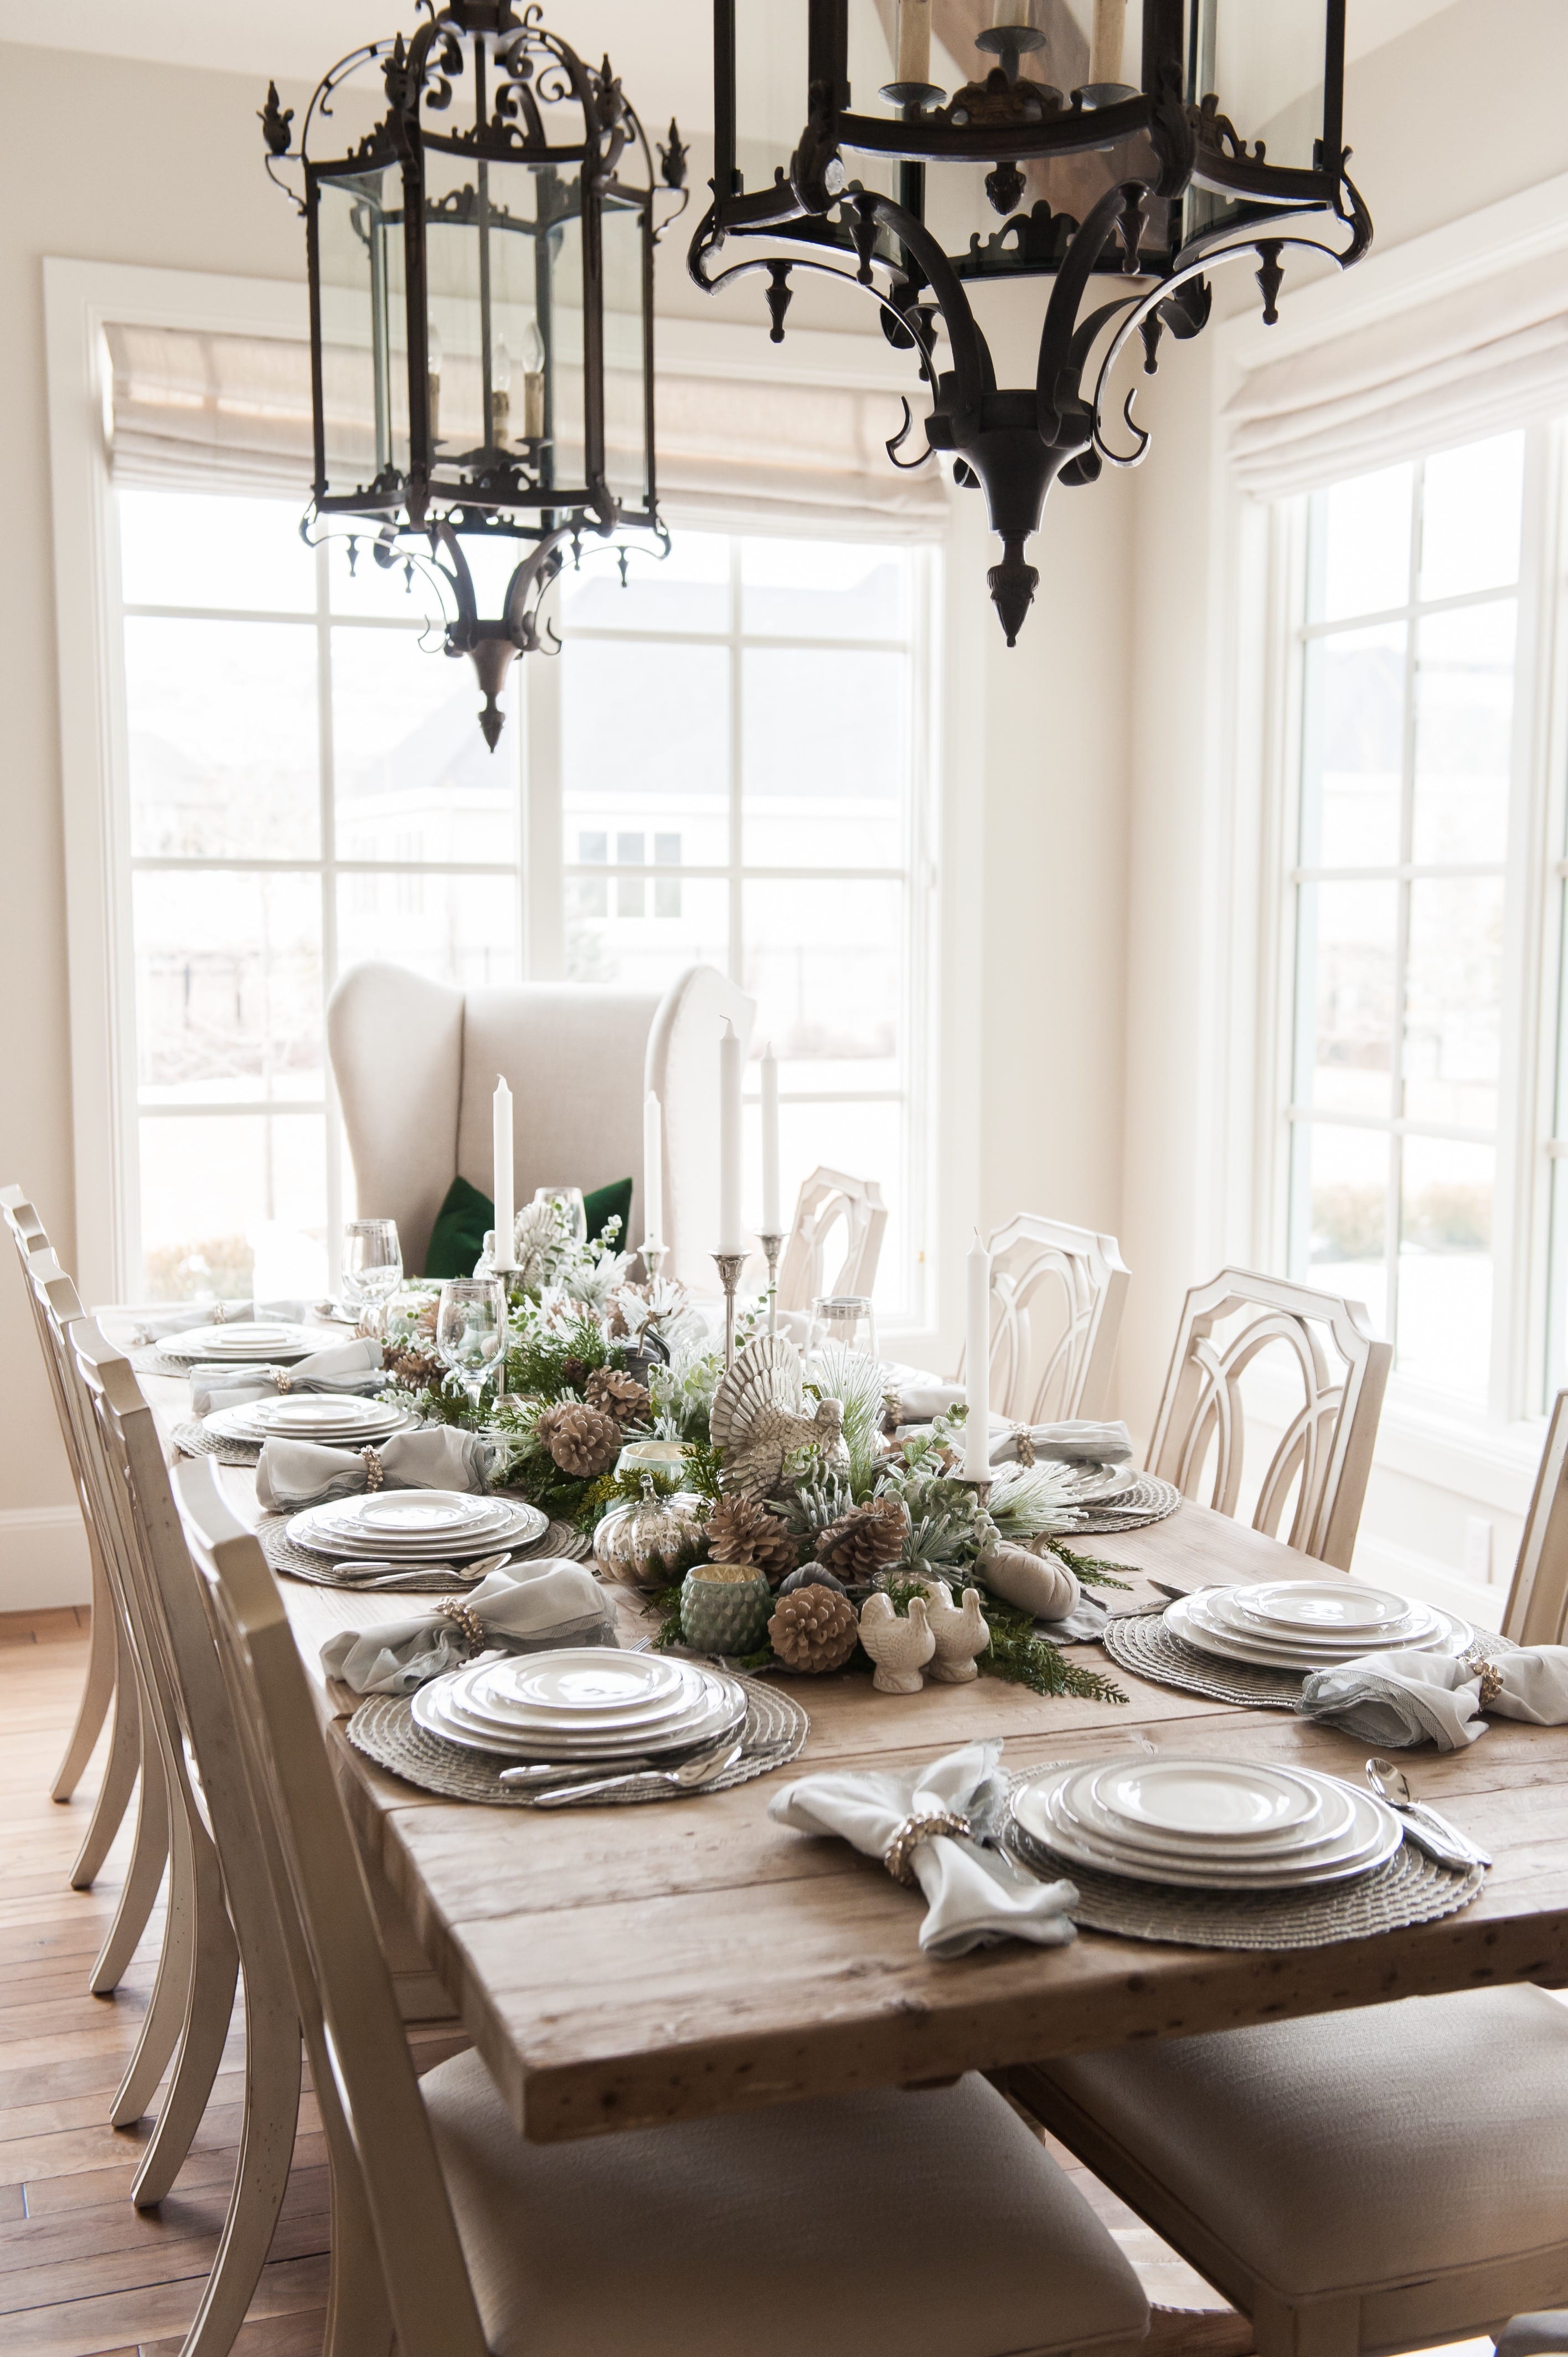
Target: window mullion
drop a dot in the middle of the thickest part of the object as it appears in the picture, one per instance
(1394, 1210)
(328, 822)
(737, 744)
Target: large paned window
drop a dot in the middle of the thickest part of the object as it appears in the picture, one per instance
(733, 771)
(1418, 945)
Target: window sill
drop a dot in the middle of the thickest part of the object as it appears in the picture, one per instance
(1427, 1441)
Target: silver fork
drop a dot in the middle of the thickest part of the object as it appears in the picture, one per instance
(688, 1778)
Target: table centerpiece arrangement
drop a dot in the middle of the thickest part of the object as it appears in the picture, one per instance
(764, 1510)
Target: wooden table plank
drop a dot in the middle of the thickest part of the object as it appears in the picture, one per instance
(621, 1967)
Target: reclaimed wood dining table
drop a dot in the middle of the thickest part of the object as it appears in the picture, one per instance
(620, 1968)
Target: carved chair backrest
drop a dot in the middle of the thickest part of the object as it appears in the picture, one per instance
(1325, 1455)
(32, 1247)
(1057, 1297)
(830, 1200)
(390, 2203)
(1537, 1610)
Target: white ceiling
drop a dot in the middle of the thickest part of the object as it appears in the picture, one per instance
(660, 47)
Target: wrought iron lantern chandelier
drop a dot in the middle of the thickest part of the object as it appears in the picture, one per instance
(479, 242)
(1128, 149)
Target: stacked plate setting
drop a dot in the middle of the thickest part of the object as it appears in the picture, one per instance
(1311, 1624)
(337, 1419)
(1200, 1824)
(586, 1703)
(248, 1339)
(417, 1527)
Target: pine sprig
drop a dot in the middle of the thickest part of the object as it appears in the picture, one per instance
(1089, 1568)
(701, 1469)
(1017, 1653)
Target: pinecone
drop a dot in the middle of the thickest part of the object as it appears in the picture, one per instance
(416, 1371)
(582, 1439)
(867, 1540)
(575, 1373)
(739, 1531)
(813, 1629)
(618, 1395)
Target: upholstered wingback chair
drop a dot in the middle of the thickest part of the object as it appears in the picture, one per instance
(416, 1065)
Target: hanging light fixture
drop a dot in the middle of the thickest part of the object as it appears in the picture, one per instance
(479, 245)
(1112, 141)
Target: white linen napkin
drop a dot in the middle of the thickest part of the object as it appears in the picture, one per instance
(358, 1367)
(1077, 1441)
(1399, 1699)
(533, 1610)
(291, 1473)
(154, 1319)
(975, 1896)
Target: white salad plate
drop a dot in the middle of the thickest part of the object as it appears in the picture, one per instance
(306, 1412)
(442, 1709)
(666, 1725)
(1312, 1839)
(1218, 1607)
(242, 1423)
(1320, 1608)
(419, 1513)
(1188, 1619)
(592, 1682)
(393, 1538)
(1372, 1839)
(243, 1339)
(1215, 1800)
(1087, 1485)
(521, 1525)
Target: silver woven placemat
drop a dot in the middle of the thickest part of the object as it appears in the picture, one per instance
(1140, 1642)
(559, 1540)
(1149, 1500)
(155, 1362)
(194, 1440)
(1410, 1888)
(383, 1729)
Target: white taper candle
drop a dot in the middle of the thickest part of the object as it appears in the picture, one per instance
(501, 1183)
(1105, 48)
(914, 51)
(652, 1170)
(977, 1366)
(771, 1225)
(729, 1141)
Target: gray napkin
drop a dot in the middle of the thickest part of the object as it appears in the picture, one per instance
(154, 1319)
(358, 1367)
(292, 1473)
(1077, 1441)
(1399, 1699)
(974, 1897)
(534, 1609)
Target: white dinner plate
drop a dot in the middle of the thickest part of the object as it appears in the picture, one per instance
(1321, 1608)
(595, 1681)
(1448, 1635)
(1208, 1800)
(690, 1723)
(523, 1525)
(440, 1711)
(1357, 1836)
(240, 1423)
(1373, 1836)
(1217, 1609)
(1085, 1485)
(480, 1708)
(240, 1341)
(305, 1412)
(1316, 1839)
(416, 1514)
(415, 1526)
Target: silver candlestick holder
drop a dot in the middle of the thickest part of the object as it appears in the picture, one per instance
(729, 1266)
(654, 1255)
(505, 1275)
(772, 1246)
(980, 1483)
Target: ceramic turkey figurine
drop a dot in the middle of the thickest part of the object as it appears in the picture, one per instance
(900, 1647)
(960, 1632)
(759, 1418)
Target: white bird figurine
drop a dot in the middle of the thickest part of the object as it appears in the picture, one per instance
(900, 1647)
(759, 1421)
(960, 1632)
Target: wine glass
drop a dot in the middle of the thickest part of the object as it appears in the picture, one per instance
(471, 1330)
(372, 1268)
(571, 1201)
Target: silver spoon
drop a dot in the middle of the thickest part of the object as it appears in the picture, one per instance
(687, 1778)
(1444, 1839)
(382, 1573)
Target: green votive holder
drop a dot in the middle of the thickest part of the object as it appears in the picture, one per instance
(725, 1608)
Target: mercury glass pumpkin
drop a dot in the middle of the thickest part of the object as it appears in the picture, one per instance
(648, 1542)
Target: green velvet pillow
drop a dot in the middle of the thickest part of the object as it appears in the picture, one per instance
(459, 1236)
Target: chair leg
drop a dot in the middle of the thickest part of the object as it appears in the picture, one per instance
(118, 1770)
(359, 2315)
(98, 1688)
(261, 2180)
(170, 2005)
(1329, 2328)
(145, 1872)
(209, 2010)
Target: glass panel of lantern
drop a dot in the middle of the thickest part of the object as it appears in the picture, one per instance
(1265, 68)
(363, 327)
(771, 81)
(628, 460)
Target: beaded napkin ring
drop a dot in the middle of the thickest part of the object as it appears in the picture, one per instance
(897, 1857)
(283, 1379)
(1025, 1445)
(463, 1619)
(375, 1473)
(1478, 1666)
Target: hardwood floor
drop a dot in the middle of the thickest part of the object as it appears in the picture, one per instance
(82, 2273)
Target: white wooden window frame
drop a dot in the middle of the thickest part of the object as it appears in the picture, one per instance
(943, 859)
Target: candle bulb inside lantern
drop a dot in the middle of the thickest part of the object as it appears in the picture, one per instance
(771, 1225)
(729, 1141)
(1013, 12)
(501, 1182)
(913, 45)
(533, 359)
(652, 1170)
(1105, 50)
(432, 382)
(500, 395)
(977, 1366)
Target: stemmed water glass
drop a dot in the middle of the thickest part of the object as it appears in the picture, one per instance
(471, 1330)
(372, 1267)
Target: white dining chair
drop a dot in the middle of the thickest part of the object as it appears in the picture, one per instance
(1541, 2335)
(1537, 1609)
(870, 2226)
(416, 1062)
(832, 1209)
(1057, 1297)
(220, 1907)
(105, 1692)
(1324, 1355)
